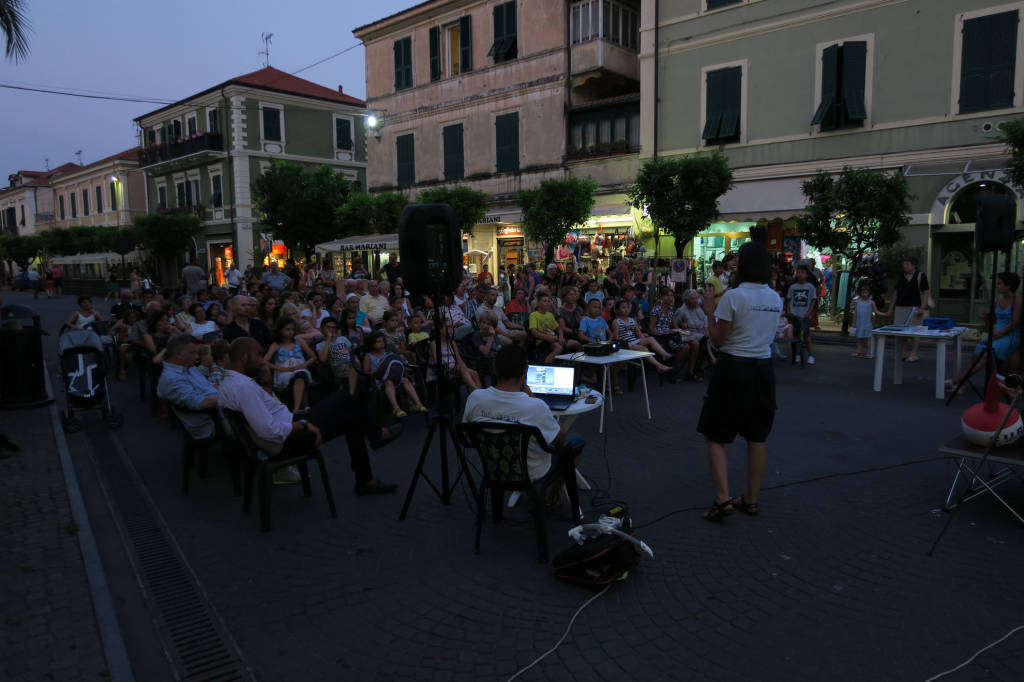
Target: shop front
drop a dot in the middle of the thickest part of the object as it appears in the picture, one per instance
(374, 250)
(219, 256)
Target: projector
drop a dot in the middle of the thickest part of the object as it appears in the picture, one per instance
(602, 348)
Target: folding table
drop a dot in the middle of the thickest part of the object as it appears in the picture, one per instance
(899, 333)
(605, 361)
(1005, 463)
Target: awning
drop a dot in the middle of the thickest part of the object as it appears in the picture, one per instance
(368, 242)
(477, 253)
(108, 258)
(763, 199)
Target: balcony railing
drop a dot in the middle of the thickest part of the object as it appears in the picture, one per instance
(202, 142)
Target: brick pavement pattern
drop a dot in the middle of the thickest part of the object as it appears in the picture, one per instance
(48, 629)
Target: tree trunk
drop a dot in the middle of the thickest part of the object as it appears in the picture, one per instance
(854, 266)
(549, 254)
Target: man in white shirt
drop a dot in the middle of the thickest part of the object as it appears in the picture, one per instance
(511, 402)
(234, 277)
(508, 330)
(373, 304)
(277, 432)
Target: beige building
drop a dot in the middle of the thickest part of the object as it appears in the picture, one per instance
(26, 204)
(499, 96)
(111, 191)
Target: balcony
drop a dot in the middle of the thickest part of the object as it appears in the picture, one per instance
(605, 57)
(196, 144)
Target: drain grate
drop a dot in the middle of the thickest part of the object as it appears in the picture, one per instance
(194, 638)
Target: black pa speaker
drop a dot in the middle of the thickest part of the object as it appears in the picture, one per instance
(430, 248)
(759, 233)
(996, 222)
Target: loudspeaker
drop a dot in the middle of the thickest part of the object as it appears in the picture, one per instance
(996, 222)
(430, 248)
(759, 233)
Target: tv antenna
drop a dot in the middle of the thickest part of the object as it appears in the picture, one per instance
(79, 155)
(265, 37)
(46, 162)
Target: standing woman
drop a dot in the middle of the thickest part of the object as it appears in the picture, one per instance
(911, 292)
(741, 396)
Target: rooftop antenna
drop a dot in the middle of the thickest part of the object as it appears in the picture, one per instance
(265, 37)
(46, 162)
(79, 155)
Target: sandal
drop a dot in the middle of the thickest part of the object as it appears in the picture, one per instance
(718, 511)
(398, 412)
(748, 508)
(912, 358)
(419, 408)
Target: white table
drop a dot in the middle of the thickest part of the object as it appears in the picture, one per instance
(901, 333)
(606, 361)
(567, 417)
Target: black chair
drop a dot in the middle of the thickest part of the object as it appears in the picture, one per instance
(260, 464)
(503, 455)
(198, 448)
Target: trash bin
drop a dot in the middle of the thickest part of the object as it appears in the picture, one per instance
(22, 372)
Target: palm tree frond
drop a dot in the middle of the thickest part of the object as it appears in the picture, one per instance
(14, 26)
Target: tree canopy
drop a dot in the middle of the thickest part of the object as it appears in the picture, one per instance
(1012, 135)
(300, 205)
(468, 204)
(554, 208)
(376, 214)
(166, 236)
(680, 195)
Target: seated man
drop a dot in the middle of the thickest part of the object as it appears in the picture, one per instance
(511, 402)
(184, 386)
(245, 323)
(277, 433)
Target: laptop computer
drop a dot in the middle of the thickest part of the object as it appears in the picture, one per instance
(556, 386)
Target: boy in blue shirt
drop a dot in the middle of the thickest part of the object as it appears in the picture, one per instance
(593, 328)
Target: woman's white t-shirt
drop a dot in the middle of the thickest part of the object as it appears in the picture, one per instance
(207, 327)
(754, 312)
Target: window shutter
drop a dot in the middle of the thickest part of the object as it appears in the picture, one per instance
(511, 50)
(855, 64)
(829, 81)
(507, 142)
(272, 124)
(343, 133)
(113, 195)
(732, 89)
(715, 4)
(713, 106)
(1003, 45)
(398, 65)
(466, 44)
(406, 160)
(403, 63)
(989, 47)
(435, 53)
(454, 166)
(99, 198)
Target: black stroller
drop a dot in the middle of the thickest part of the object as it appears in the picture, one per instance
(84, 366)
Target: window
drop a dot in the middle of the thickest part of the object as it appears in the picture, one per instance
(180, 189)
(216, 191)
(506, 133)
(173, 131)
(192, 125)
(406, 155)
(85, 202)
(718, 4)
(435, 53)
(454, 165)
(342, 133)
(212, 121)
(451, 49)
(843, 69)
(113, 195)
(60, 205)
(194, 194)
(151, 137)
(612, 20)
(74, 205)
(403, 63)
(23, 214)
(271, 124)
(723, 103)
(161, 193)
(99, 198)
(505, 45)
(987, 62)
(604, 131)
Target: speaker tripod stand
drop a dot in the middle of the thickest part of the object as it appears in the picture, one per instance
(442, 425)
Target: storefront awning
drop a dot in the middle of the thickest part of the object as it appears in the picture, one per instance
(506, 215)
(368, 242)
(96, 258)
(763, 199)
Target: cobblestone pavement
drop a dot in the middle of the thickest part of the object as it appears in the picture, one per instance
(832, 579)
(48, 628)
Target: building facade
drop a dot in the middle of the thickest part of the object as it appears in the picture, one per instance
(499, 96)
(200, 154)
(26, 204)
(790, 87)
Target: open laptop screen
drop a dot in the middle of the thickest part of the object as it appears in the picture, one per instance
(547, 380)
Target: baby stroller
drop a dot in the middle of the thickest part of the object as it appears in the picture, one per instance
(84, 366)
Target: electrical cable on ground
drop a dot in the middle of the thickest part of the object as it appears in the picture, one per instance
(976, 654)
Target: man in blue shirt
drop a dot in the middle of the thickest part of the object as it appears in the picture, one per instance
(275, 279)
(182, 385)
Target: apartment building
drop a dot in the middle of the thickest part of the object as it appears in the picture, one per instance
(789, 87)
(501, 95)
(26, 202)
(201, 153)
(111, 191)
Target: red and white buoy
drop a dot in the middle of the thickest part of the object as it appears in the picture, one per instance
(981, 421)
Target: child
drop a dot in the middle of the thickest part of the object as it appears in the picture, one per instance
(629, 335)
(608, 310)
(862, 322)
(593, 327)
(289, 357)
(783, 332)
(416, 333)
(715, 280)
(544, 329)
(387, 370)
(336, 351)
(800, 301)
(487, 341)
(593, 292)
(205, 362)
(394, 334)
(452, 359)
(219, 355)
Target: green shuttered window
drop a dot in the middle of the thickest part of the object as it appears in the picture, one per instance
(406, 155)
(505, 45)
(435, 53)
(506, 133)
(987, 62)
(454, 166)
(716, 4)
(843, 78)
(403, 63)
(99, 198)
(113, 195)
(466, 44)
(343, 133)
(272, 124)
(724, 90)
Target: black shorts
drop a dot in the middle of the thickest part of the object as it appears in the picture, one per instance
(740, 400)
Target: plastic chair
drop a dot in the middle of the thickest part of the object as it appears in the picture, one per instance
(260, 464)
(198, 448)
(503, 457)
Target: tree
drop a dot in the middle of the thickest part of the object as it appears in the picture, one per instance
(14, 25)
(861, 211)
(554, 208)
(680, 195)
(1012, 135)
(376, 214)
(469, 205)
(20, 249)
(300, 205)
(166, 237)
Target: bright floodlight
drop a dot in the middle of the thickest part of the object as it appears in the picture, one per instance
(371, 121)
